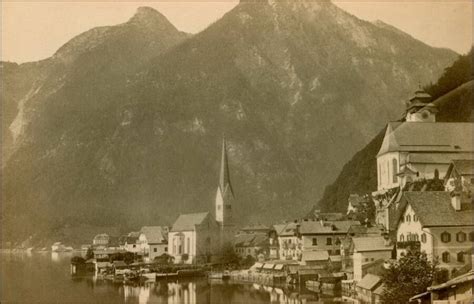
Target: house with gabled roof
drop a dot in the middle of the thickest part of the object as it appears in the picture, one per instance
(439, 223)
(153, 241)
(194, 237)
(460, 176)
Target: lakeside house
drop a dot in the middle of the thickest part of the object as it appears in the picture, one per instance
(153, 241)
(252, 244)
(370, 289)
(367, 253)
(289, 241)
(194, 238)
(439, 223)
(457, 290)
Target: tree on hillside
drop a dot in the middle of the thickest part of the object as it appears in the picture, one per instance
(409, 276)
(460, 72)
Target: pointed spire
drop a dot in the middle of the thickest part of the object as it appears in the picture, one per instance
(224, 178)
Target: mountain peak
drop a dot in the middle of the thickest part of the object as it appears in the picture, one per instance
(148, 16)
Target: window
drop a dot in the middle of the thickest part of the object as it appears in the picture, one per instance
(134, 246)
(445, 257)
(402, 238)
(329, 241)
(180, 249)
(338, 252)
(394, 170)
(445, 237)
(460, 257)
(408, 218)
(338, 241)
(155, 249)
(461, 237)
(415, 218)
(315, 241)
(166, 249)
(366, 259)
(471, 236)
(423, 238)
(415, 238)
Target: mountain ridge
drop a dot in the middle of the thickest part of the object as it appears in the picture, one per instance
(128, 131)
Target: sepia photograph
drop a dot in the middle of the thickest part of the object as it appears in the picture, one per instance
(237, 151)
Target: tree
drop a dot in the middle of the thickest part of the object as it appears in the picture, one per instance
(409, 276)
(89, 253)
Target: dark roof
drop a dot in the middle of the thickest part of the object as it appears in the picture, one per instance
(369, 281)
(251, 240)
(255, 227)
(290, 229)
(468, 277)
(187, 222)
(154, 234)
(224, 177)
(433, 208)
(428, 136)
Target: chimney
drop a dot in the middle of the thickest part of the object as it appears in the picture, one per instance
(456, 200)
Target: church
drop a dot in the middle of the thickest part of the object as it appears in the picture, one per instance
(199, 237)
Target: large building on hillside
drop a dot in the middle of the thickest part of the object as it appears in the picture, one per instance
(414, 150)
(197, 237)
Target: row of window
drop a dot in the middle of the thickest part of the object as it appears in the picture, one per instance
(328, 241)
(460, 257)
(407, 218)
(461, 237)
(394, 172)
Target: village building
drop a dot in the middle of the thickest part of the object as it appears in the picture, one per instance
(457, 290)
(101, 241)
(415, 149)
(439, 223)
(130, 243)
(289, 241)
(259, 228)
(317, 259)
(324, 236)
(460, 176)
(368, 253)
(198, 237)
(370, 289)
(252, 244)
(194, 238)
(153, 241)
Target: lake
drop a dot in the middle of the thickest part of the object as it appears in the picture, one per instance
(45, 278)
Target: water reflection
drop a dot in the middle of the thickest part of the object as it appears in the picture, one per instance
(46, 278)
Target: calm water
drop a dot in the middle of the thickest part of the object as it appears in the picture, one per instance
(45, 278)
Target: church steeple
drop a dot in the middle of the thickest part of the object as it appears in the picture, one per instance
(225, 193)
(224, 177)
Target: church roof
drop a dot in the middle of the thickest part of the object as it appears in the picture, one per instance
(188, 222)
(433, 208)
(224, 176)
(428, 137)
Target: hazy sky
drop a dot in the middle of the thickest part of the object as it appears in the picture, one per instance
(33, 30)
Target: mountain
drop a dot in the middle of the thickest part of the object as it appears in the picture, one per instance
(126, 127)
(455, 102)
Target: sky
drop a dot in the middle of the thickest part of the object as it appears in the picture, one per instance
(34, 30)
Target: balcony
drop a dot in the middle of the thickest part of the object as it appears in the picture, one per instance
(411, 245)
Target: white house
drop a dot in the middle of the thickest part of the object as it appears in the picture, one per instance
(289, 241)
(153, 241)
(194, 237)
(439, 223)
(367, 251)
